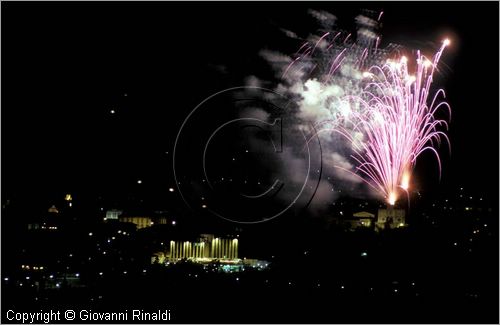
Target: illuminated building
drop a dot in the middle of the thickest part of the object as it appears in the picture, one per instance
(49, 222)
(112, 214)
(138, 216)
(161, 221)
(392, 218)
(53, 209)
(360, 219)
(207, 247)
(140, 222)
(68, 198)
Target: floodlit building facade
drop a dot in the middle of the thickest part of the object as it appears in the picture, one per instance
(392, 218)
(361, 219)
(112, 214)
(207, 248)
(140, 222)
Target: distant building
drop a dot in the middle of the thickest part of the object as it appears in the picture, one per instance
(160, 217)
(112, 214)
(50, 221)
(208, 249)
(68, 198)
(142, 218)
(53, 209)
(160, 220)
(140, 222)
(205, 249)
(364, 219)
(391, 218)
(361, 219)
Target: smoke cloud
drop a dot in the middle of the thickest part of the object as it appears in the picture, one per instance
(325, 68)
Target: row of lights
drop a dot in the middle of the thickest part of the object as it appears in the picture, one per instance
(27, 267)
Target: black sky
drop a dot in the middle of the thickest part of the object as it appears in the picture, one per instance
(67, 65)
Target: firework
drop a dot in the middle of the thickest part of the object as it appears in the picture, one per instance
(397, 121)
(346, 84)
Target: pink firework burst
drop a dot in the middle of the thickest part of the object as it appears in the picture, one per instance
(397, 123)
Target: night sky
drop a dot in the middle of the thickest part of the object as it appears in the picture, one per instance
(93, 97)
(67, 66)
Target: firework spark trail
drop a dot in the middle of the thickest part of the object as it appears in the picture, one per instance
(386, 114)
(338, 51)
(397, 122)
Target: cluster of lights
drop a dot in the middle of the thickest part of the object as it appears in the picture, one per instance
(49, 227)
(35, 268)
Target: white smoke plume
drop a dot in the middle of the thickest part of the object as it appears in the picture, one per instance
(325, 68)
